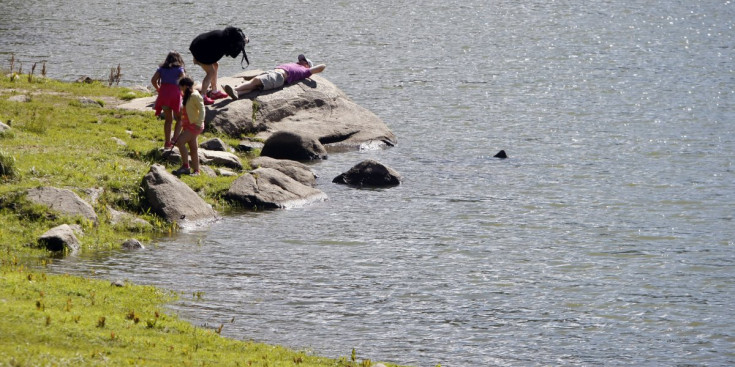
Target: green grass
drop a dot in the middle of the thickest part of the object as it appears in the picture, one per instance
(60, 320)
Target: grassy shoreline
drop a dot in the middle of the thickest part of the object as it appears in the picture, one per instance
(66, 135)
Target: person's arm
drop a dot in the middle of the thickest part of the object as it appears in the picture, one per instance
(318, 69)
(155, 80)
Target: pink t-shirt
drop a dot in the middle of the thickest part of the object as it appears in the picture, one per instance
(295, 72)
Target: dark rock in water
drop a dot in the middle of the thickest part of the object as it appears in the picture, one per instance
(59, 238)
(369, 173)
(132, 244)
(501, 154)
(295, 146)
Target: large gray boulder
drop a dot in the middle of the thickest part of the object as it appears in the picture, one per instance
(172, 199)
(369, 173)
(270, 188)
(59, 238)
(293, 145)
(63, 201)
(296, 170)
(313, 106)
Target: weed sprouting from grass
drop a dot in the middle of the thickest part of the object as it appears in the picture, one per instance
(43, 69)
(115, 75)
(256, 107)
(101, 322)
(12, 63)
(33, 70)
(8, 169)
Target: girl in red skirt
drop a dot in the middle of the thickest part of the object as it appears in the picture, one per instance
(166, 82)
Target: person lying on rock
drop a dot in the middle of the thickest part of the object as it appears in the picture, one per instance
(283, 74)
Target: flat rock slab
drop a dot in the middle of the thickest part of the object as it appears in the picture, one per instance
(63, 201)
(296, 170)
(271, 189)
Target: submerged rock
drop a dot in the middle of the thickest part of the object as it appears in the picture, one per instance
(293, 145)
(369, 173)
(132, 244)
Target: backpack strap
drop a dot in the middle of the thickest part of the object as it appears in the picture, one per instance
(245, 41)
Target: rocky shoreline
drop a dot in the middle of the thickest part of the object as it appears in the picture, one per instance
(301, 122)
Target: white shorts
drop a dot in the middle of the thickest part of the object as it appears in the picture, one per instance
(271, 79)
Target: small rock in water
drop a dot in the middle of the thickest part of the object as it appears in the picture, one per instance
(501, 154)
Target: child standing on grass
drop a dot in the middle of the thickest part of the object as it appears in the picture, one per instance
(192, 124)
(166, 81)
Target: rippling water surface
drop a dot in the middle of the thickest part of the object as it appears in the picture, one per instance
(605, 239)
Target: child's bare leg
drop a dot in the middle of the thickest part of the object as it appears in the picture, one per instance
(168, 118)
(194, 154)
(177, 128)
(181, 143)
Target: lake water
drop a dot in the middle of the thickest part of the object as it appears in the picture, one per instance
(605, 239)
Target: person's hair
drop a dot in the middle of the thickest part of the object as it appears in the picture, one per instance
(237, 41)
(173, 60)
(189, 84)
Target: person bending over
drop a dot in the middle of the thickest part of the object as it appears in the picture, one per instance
(208, 48)
(283, 74)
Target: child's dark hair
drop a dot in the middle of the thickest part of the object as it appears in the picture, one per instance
(173, 60)
(189, 84)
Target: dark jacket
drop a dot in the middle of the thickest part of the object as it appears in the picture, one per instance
(210, 47)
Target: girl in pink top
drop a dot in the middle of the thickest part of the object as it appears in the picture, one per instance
(166, 82)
